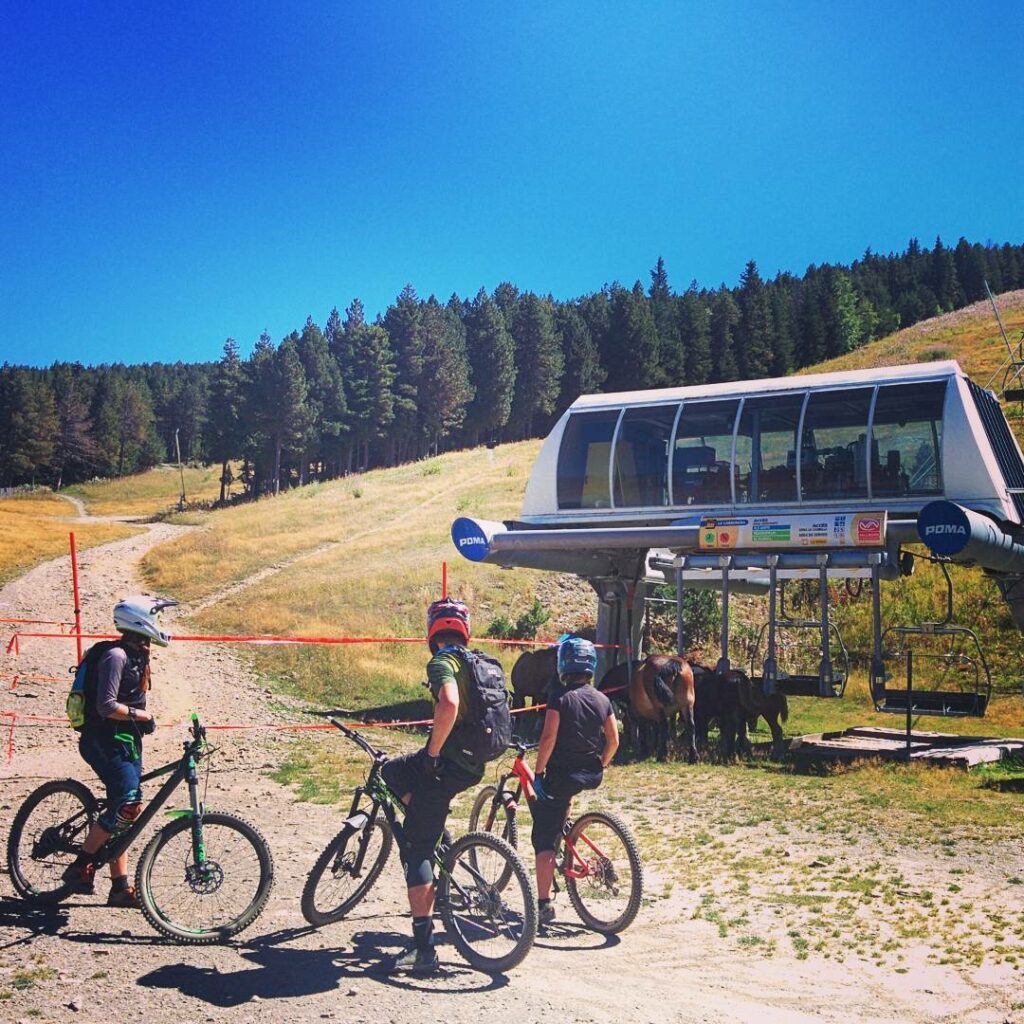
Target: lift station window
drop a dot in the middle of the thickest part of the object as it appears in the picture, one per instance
(833, 463)
(906, 440)
(702, 454)
(583, 459)
(766, 449)
(640, 476)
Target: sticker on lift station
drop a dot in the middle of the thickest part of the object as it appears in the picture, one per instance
(831, 530)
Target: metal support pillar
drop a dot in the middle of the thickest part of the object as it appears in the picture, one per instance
(680, 624)
(770, 669)
(724, 562)
(877, 658)
(826, 680)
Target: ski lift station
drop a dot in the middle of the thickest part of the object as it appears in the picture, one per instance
(742, 486)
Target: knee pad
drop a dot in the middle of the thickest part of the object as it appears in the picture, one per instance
(419, 871)
(126, 815)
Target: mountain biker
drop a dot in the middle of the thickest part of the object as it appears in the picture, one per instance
(116, 719)
(428, 779)
(578, 741)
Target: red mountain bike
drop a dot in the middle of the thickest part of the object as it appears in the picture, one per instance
(597, 855)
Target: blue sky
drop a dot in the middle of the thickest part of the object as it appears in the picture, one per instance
(174, 174)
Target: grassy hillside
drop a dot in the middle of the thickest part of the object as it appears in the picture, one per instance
(35, 527)
(148, 494)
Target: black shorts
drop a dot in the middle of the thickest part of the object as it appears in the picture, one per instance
(549, 815)
(428, 809)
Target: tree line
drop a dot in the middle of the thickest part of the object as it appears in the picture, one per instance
(427, 376)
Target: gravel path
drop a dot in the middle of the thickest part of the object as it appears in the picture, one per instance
(88, 963)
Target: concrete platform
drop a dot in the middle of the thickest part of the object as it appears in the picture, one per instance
(864, 742)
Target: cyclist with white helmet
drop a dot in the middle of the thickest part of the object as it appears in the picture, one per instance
(430, 778)
(116, 719)
(578, 741)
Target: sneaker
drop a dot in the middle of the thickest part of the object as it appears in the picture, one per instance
(412, 961)
(126, 898)
(546, 914)
(80, 878)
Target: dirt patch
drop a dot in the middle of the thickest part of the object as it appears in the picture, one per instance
(674, 964)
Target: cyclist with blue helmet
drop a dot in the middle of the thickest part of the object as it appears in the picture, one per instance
(578, 741)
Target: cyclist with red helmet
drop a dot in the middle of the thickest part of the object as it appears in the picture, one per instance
(429, 779)
(578, 741)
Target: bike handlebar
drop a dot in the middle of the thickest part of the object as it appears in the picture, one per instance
(522, 747)
(358, 739)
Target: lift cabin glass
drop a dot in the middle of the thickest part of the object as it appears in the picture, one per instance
(906, 440)
(583, 459)
(641, 456)
(797, 447)
(703, 453)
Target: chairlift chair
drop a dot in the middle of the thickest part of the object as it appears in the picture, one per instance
(969, 699)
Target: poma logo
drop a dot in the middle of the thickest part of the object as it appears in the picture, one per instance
(947, 529)
(464, 541)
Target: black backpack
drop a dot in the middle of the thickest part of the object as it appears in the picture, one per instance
(485, 731)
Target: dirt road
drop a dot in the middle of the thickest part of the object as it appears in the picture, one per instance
(88, 963)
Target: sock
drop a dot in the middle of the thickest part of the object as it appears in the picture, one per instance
(544, 903)
(423, 933)
(119, 884)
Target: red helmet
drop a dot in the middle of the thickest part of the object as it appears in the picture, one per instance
(448, 616)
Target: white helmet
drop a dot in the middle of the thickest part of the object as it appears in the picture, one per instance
(137, 614)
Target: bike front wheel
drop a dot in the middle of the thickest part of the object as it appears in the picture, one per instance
(199, 901)
(346, 871)
(492, 928)
(602, 871)
(46, 836)
(489, 814)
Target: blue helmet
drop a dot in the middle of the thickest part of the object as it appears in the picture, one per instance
(576, 655)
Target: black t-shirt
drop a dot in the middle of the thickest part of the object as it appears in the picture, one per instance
(582, 712)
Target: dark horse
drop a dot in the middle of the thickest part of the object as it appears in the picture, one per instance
(718, 699)
(661, 688)
(772, 708)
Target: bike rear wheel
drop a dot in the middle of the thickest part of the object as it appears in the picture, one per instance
(493, 929)
(497, 819)
(607, 887)
(199, 904)
(334, 887)
(46, 836)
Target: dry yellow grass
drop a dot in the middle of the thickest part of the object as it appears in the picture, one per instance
(148, 494)
(969, 335)
(35, 527)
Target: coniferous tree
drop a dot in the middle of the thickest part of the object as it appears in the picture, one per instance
(28, 425)
(665, 311)
(725, 316)
(369, 372)
(582, 372)
(224, 430)
(325, 400)
(126, 426)
(492, 361)
(445, 391)
(539, 359)
(755, 331)
(695, 336)
(402, 322)
(634, 358)
(75, 449)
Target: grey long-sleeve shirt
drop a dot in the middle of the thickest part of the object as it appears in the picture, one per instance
(109, 693)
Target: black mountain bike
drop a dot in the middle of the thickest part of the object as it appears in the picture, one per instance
(493, 929)
(596, 855)
(202, 878)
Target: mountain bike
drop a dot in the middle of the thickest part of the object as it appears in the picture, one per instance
(493, 929)
(597, 856)
(203, 877)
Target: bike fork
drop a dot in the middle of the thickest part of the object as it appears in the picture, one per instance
(198, 810)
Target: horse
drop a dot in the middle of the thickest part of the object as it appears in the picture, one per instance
(757, 704)
(660, 688)
(717, 698)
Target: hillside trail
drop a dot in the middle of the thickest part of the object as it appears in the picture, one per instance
(108, 965)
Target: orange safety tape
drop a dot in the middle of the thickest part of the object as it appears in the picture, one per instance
(272, 639)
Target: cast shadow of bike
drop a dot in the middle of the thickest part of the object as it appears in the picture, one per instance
(34, 920)
(573, 938)
(283, 972)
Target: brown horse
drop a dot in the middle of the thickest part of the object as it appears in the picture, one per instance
(756, 704)
(660, 689)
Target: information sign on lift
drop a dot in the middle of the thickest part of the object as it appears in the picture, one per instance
(823, 530)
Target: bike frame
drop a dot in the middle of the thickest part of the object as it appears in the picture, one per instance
(182, 771)
(523, 773)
